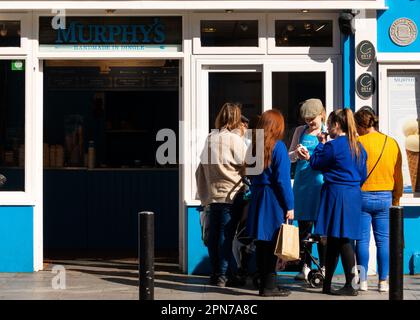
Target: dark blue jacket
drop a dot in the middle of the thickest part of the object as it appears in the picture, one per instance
(334, 160)
(271, 196)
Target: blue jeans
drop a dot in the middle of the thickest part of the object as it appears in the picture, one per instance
(222, 227)
(375, 212)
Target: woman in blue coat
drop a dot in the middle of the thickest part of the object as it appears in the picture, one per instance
(272, 200)
(343, 164)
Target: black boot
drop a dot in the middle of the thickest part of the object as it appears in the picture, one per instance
(326, 287)
(347, 290)
(268, 287)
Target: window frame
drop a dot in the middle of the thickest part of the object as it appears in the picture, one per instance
(408, 199)
(25, 33)
(196, 34)
(27, 196)
(271, 39)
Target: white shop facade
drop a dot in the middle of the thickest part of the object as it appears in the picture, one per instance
(120, 72)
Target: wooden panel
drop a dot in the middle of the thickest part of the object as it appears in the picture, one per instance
(99, 208)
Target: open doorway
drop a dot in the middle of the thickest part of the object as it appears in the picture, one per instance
(290, 90)
(100, 123)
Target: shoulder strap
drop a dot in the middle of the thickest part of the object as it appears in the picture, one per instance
(380, 156)
(305, 127)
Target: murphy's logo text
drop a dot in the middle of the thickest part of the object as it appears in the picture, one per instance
(77, 32)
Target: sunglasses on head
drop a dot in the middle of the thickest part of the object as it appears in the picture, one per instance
(368, 109)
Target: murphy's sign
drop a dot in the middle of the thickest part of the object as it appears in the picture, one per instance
(112, 33)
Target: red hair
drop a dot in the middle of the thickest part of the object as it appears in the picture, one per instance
(272, 122)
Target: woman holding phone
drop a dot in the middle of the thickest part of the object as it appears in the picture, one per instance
(343, 164)
(308, 182)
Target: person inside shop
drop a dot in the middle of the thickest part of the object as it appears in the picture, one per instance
(308, 182)
(219, 179)
(382, 189)
(343, 164)
(271, 201)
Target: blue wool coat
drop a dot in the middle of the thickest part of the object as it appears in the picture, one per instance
(341, 198)
(271, 196)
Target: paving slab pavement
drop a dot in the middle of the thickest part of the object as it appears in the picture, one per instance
(95, 279)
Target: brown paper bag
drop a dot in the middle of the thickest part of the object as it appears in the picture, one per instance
(287, 246)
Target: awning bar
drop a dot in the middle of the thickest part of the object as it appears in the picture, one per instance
(194, 5)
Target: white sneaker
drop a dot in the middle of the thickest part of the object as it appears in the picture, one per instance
(383, 286)
(363, 285)
(303, 275)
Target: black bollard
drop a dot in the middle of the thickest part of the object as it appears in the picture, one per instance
(146, 255)
(396, 250)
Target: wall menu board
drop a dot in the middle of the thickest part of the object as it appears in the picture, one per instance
(111, 34)
(403, 117)
(89, 78)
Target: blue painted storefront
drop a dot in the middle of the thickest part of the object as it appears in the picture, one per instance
(403, 9)
(397, 9)
(16, 239)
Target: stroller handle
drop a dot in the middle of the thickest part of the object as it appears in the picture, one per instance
(246, 181)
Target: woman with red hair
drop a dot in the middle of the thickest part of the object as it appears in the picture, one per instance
(272, 200)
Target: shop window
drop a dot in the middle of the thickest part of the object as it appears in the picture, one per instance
(229, 33)
(235, 33)
(10, 32)
(304, 33)
(12, 124)
(403, 100)
(289, 90)
(106, 114)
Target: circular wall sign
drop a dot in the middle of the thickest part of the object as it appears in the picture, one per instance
(403, 31)
(365, 86)
(365, 53)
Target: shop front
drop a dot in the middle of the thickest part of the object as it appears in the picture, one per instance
(82, 108)
(399, 107)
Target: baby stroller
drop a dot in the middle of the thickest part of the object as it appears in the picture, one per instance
(243, 246)
(315, 276)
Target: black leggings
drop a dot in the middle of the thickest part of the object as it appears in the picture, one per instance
(336, 247)
(305, 228)
(266, 260)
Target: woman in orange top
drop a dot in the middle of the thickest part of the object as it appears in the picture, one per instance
(382, 188)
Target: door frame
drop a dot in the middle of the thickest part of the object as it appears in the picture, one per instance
(329, 66)
(201, 66)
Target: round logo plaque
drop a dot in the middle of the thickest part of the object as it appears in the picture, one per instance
(403, 32)
(365, 86)
(365, 53)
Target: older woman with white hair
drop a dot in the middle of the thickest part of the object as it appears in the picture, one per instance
(308, 182)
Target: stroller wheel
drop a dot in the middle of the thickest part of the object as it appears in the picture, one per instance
(315, 279)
